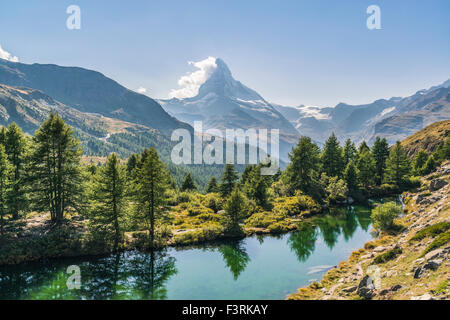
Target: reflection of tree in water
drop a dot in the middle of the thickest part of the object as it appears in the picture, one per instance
(235, 257)
(303, 241)
(350, 224)
(330, 229)
(363, 217)
(149, 273)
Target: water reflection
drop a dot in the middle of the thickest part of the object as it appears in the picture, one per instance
(329, 227)
(131, 275)
(235, 257)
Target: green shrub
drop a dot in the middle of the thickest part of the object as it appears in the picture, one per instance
(387, 256)
(441, 240)
(213, 201)
(263, 219)
(431, 231)
(383, 216)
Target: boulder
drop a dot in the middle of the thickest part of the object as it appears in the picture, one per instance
(434, 254)
(350, 289)
(426, 296)
(418, 273)
(396, 287)
(366, 288)
(437, 184)
(433, 264)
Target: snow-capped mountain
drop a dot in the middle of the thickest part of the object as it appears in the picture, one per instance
(394, 119)
(225, 103)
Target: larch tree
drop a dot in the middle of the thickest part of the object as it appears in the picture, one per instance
(150, 185)
(212, 185)
(5, 172)
(380, 151)
(331, 157)
(15, 148)
(56, 177)
(397, 165)
(302, 169)
(229, 179)
(188, 183)
(108, 199)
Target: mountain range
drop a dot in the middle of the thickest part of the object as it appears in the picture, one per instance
(394, 119)
(109, 117)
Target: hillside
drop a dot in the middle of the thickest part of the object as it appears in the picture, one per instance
(428, 138)
(89, 91)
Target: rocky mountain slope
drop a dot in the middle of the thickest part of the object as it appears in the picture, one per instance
(411, 264)
(429, 138)
(89, 91)
(99, 135)
(394, 119)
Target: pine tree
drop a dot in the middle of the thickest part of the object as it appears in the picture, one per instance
(363, 147)
(256, 186)
(212, 185)
(351, 177)
(108, 199)
(302, 170)
(349, 152)
(229, 179)
(132, 164)
(419, 162)
(331, 157)
(5, 171)
(151, 183)
(15, 147)
(235, 211)
(3, 136)
(366, 168)
(188, 183)
(56, 176)
(380, 151)
(397, 165)
(429, 166)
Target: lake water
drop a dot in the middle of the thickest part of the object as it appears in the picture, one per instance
(258, 267)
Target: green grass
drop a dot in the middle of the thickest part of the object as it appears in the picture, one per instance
(431, 231)
(441, 240)
(441, 288)
(387, 256)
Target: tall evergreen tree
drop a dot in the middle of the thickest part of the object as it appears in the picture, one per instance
(397, 165)
(419, 162)
(429, 166)
(108, 199)
(5, 172)
(351, 177)
(363, 147)
(235, 211)
(15, 147)
(302, 169)
(256, 186)
(380, 151)
(151, 184)
(366, 168)
(188, 183)
(229, 179)
(331, 157)
(349, 152)
(56, 177)
(3, 136)
(212, 185)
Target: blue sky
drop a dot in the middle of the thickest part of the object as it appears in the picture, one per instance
(291, 52)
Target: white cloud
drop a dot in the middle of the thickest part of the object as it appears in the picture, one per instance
(7, 56)
(141, 90)
(191, 82)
